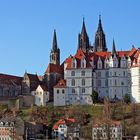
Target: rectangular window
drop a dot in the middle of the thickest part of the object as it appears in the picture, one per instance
(99, 83)
(63, 91)
(83, 82)
(57, 91)
(82, 73)
(106, 82)
(73, 82)
(73, 90)
(83, 90)
(99, 74)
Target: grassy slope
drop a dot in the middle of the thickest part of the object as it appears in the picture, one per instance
(95, 111)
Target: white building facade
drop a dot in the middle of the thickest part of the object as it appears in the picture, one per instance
(105, 131)
(41, 95)
(113, 74)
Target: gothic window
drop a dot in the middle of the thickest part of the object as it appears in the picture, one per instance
(73, 82)
(83, 82)
(73, 73)
(82, 73)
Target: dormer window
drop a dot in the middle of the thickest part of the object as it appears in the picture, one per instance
(74, 63)
(83, 63)
(99, 64)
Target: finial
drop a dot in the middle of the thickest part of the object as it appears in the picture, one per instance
(83, 19)
(99, 16)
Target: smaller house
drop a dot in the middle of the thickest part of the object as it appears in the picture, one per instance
(65, 128)
(105, 130)
(7, 130)
(11, 127)
(60, 91)
(41, 95)
(35, 130)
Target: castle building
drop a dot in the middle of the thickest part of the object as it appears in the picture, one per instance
(110, 73)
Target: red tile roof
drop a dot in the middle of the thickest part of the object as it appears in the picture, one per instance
(54, 68)
(99, 123)
(61, 84)
(63, 121)
(10, 79)
(94, 56)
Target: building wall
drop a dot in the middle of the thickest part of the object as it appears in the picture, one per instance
(79, 92)
(60, 96)
(135, 87)
(41, 97)
(102, 132)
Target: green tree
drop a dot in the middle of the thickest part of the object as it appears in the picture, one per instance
(127, 98)
(94, 96)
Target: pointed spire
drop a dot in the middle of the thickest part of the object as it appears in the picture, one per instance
(113, 48)
(83, 32)
(100, 24)
(54, 47)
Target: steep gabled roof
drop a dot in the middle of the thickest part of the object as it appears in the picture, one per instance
(63, 121)
(33, 77)
(54, 68)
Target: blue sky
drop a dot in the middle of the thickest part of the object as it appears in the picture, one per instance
(26, 29)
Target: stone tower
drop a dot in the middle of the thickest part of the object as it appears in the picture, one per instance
(55, 51)
(100, 41)
(83, 39)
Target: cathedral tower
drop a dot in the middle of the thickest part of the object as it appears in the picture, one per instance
(55, 51)
(100, 42)
(83, 39)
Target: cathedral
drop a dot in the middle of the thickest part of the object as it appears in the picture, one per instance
(92, 68)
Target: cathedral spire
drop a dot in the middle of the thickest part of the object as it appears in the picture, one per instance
(84, 32)
(83, 40)
(55, 51)
(100, 41)
(100, 24)
(54, 47)
(113, 48)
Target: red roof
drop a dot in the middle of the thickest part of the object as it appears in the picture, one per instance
(63, 121)
(99, 123)
(33, 77)
(54, 68)
(10, 79)
(61, 84)
(94, 56)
